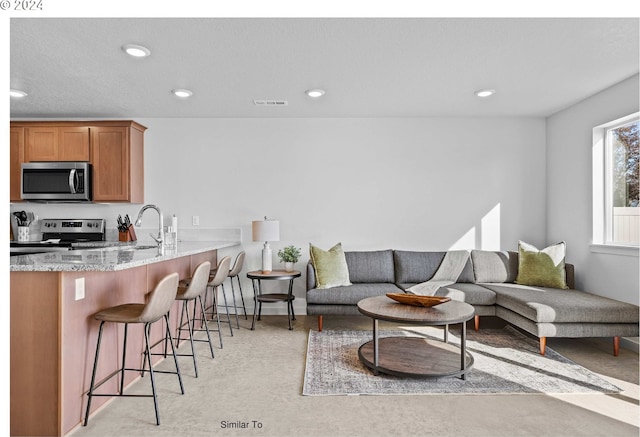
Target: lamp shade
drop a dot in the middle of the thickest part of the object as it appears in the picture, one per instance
(265, 230)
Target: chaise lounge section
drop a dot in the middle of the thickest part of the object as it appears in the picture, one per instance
(487, 282)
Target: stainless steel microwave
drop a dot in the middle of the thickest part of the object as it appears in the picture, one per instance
(56, 181)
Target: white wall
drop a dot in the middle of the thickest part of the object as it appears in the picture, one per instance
(403, 183)
(569, 191)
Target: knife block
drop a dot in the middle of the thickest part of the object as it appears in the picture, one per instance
(128, 235)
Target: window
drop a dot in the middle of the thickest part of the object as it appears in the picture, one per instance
(616, 175)
(621, 184)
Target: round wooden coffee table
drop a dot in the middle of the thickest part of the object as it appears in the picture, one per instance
(416, 357)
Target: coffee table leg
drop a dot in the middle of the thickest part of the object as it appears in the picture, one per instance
(375, 346)
(463, 351)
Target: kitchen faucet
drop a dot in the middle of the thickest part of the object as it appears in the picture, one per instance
(160, 238)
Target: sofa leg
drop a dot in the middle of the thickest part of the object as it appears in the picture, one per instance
(616, 346)
(476, 322)
(319, 323)
(543, 345)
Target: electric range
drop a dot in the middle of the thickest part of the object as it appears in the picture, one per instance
(61, 235)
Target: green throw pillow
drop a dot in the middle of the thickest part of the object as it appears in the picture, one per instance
(330, 266)
(542, 268)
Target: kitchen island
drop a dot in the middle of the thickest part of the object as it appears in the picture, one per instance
(53, 333)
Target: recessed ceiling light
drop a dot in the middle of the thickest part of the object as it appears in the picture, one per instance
(182, 93)
(315, 93)
(485, 93)
(136, 51)
(17, 93)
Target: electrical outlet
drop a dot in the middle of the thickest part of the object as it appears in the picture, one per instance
(79, 288)
(195, 220)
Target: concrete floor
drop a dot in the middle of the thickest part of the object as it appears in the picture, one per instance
(253, 388)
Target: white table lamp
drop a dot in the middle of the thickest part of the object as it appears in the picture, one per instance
(266, 230)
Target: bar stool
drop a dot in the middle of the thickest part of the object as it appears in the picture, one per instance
(191, 290)
(157, 307)
(235, 273)
(216, 279)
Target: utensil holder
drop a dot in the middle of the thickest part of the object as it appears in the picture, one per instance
(128, 235)
(23, 233)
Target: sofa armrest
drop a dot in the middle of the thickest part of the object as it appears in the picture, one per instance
(311, 276)
(570, 275)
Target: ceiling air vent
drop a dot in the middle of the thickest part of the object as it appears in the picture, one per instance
(270, 102)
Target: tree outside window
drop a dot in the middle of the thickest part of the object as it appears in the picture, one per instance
(624, 179)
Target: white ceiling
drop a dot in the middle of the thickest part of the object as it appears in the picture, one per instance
(369, 67)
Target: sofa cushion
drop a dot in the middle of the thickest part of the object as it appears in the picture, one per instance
(490, 266)
(370, 267)
(550, 305)
(349, 295)
(416, 267)
(467, 275)
(330, 266)
(541, 267)
(472, 294)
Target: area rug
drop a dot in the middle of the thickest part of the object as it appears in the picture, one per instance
(506, 361)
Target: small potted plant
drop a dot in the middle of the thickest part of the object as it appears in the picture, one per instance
(289, 256)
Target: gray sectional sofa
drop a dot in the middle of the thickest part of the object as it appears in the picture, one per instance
(486, 283)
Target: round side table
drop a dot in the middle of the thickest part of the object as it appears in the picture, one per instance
(259, 298)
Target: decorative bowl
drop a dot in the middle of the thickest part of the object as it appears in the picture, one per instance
(417, 300)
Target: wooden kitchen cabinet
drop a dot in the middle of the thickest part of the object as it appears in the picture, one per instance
(51, 143)
(115, 149)
(16, 158)
(73, 144)
(117, 156)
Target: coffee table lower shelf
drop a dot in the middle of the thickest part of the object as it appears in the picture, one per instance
(415, 357)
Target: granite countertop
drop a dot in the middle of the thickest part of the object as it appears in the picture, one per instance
(109, 256)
